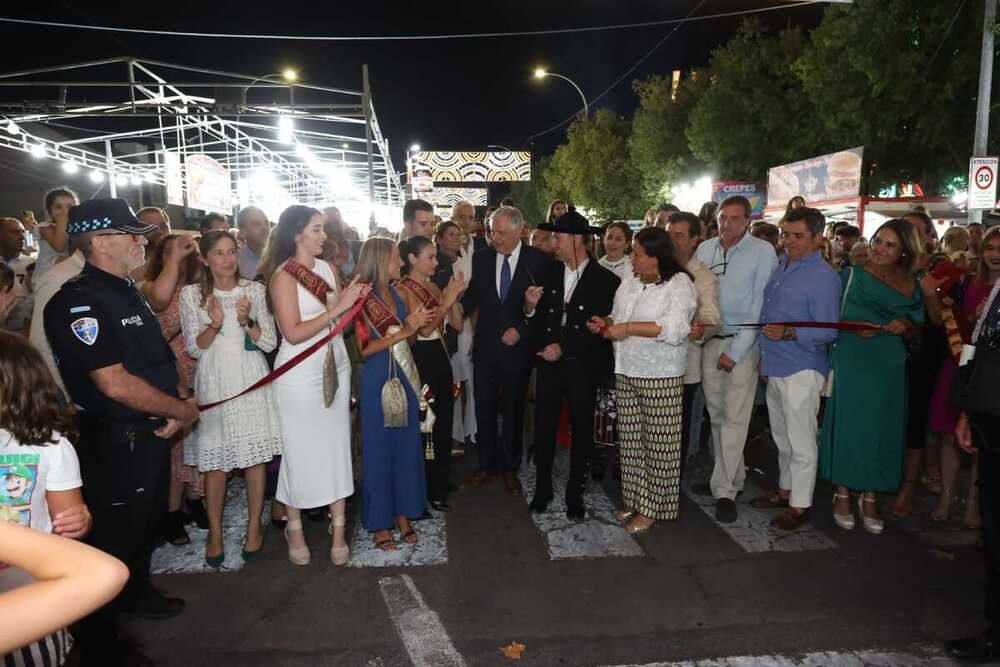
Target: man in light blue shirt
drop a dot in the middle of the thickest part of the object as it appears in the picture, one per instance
(794, 361)
(743, 265)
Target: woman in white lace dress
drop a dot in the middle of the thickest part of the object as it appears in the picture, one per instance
(227, 327)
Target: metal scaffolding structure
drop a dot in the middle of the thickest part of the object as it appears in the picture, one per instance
(281, 141)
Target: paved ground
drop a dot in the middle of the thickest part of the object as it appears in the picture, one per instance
(683, 594)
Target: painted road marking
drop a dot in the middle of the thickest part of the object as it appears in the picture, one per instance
(419, 627)
(752, 530)
(431, 547)
(927, 658)
(599, 536)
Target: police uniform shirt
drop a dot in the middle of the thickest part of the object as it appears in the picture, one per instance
(98, 320)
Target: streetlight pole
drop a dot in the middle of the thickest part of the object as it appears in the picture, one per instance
(541, 74)
(983, 99)
(289, 75)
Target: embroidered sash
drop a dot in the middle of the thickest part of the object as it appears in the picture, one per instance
(385, 323)
(319, 288)
(427, 300)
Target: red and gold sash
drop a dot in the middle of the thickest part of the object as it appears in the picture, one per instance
(311, 281)
(424, 296)
(380, 317)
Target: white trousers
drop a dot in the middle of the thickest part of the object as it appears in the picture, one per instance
(792, 406)
(729, 398)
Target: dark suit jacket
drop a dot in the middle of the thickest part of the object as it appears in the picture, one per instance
(593, 295)
(496, 317)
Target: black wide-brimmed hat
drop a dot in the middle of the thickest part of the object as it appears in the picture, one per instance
(95, 215)
(571, 222)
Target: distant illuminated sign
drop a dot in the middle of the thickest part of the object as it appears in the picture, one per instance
(473, 166)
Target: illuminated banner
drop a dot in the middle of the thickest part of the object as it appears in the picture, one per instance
(819, 180)
(208, 185)
(473, 166)
(448, 197)
(752, 191)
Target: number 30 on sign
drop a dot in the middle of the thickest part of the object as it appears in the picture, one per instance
(983, 182)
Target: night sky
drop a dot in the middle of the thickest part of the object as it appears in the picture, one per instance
(445, 94)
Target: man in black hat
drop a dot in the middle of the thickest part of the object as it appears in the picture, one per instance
(573, 361)
(120, 371)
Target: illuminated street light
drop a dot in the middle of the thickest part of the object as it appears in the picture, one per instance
(97, 176)
(541, 73)
(12, 128)
(345, 145)
(37, 150)
(121, 180)
(290, 75)
(414, 148)
(70, 167)
(135, 180)
(148, 177)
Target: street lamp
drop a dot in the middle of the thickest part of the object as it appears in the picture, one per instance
(289, 75)
(414, 148)
(541, 73)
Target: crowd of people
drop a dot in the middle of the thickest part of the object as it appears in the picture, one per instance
(277, 352)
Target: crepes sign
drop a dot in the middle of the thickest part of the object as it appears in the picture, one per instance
(818, 180)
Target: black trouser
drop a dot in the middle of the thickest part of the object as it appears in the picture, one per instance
(986, 436)
(501, 387)
(435, 371)
(566, 378)
(125, 470)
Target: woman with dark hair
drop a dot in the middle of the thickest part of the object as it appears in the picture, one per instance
(650, 325)
(864, 425)
(173, 263)
(393, 459)
(617, 241)
(53, 240)
(40, 470)
(557, 209)
(314, 397)
(227, 328)
(430, 354)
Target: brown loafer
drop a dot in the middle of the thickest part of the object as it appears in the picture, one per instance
(769, 502)
(511, 484)
(477, 479)
(790, 519)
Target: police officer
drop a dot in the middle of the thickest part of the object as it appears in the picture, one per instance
(120, 373)
(573, 361)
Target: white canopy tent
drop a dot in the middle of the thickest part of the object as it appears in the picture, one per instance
(130, 120)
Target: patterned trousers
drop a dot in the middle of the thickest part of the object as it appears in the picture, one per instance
(650, 431)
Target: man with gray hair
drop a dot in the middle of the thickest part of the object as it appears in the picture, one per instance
(254, 229)
(503, 351)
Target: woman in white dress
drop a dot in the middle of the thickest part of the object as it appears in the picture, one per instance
(617, 241)
(220, 317)
(316, 462)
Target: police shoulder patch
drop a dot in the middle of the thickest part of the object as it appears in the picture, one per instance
(86, 329)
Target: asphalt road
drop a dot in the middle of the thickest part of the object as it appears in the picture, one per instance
(696, 593)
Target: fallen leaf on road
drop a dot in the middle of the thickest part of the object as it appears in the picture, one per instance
(938, 553)
(513, 650)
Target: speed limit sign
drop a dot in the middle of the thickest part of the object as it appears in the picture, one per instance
(983, 182)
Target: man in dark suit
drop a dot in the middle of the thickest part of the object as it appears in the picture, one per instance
(574, 361)
(502, 349)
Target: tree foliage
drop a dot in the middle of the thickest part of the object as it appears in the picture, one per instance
(753, 114)
(594, 169)
(891, 75)
(533, 197)
(658, 146)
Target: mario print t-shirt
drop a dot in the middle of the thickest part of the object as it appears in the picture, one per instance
(26, 474)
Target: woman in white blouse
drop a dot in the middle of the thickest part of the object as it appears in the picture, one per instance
(650, 324)
(227, 328)
(617, 240)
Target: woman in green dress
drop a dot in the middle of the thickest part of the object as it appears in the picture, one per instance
(864, 427)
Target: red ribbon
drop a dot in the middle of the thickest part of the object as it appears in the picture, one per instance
(294, 361)
(840, 326)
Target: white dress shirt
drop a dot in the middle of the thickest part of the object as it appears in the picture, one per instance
(671, 305)
(570, 278)
(514, 255)
(621, 268)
